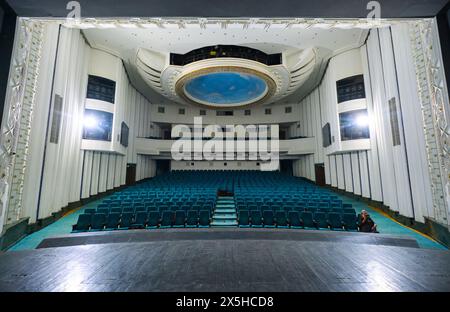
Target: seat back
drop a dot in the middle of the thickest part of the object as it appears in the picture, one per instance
(268, 217)
(89, 211)
(307, 219)
(350, 221)
(180, 217)
(153, 218)
(126, 219)
(141, 218)
(350, 211)
(244, 217)
(203, 218)
(115, 210)
(128, 210)
(98, 221)
(281, 218)
(294, 218)
(192, 217)
(113, 220)
(256, 217)
(140, 208)
(167, 218)
(334, 219)
(84, 222)
(105, 211)
(321, 220)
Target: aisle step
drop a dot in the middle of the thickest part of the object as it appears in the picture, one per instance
(225, 216)
(224, 223)
(225, 212)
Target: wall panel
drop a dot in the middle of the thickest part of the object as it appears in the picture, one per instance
(70, 173)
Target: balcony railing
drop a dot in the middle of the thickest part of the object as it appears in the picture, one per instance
(291, 147)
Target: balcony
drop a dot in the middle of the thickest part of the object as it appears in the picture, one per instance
(292, 148)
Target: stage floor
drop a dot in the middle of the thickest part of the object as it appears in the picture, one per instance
(178, 262)
(215, 233)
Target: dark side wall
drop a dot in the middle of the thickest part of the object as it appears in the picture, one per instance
(7, 30)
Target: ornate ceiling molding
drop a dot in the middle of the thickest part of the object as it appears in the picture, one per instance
(282, 80)
(203, 23)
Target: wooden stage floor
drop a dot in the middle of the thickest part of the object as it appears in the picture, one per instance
(226, 260)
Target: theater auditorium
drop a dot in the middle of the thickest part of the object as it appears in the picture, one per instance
(218, 152)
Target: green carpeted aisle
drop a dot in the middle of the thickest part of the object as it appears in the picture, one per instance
(61, 227)
(387, 225)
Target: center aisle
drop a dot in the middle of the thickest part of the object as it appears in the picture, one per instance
(225, 212)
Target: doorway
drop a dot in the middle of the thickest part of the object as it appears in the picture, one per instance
(286, 166)
(162, 166)
(320, 174)
(131, 174)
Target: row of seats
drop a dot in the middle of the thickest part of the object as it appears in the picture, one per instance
(162, 195)
(156, 202)
(298, 209)
(306, 219)
(135, 209)
(311, 204)
(139, 220)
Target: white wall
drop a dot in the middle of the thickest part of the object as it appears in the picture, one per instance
(258, 116)
(394, 175)
(69, 172)
(414, 136)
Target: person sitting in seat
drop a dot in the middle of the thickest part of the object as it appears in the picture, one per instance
(366, 223)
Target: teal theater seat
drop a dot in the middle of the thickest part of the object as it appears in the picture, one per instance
(153, 219)
(335, 221)
(126, 220)
(112, 221)
(192, 219)
(294, 219)
(203, 218)
(167, 219)
(256, 218)
(307, 219)
(244, 218)
(281, 219)
(83, 224)
(350, 221)
(98, 221)
(320, 219)
(268, 218)
(180, 218)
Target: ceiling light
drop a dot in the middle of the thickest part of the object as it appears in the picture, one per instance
(362, 120)
(90, 122)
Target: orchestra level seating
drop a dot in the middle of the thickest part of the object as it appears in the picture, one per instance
(188, 199)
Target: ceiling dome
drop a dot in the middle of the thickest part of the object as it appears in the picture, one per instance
(221, 78)
(225, 88)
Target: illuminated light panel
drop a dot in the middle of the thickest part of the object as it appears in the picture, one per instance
(362, 120)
